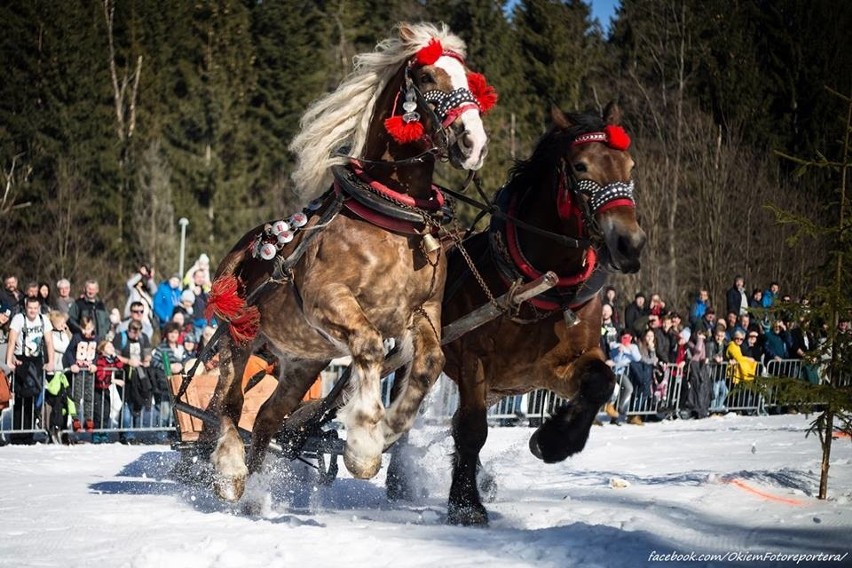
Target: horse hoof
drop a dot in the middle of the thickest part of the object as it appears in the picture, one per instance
(467, 516)
(361, 468)
(229, 489)
(398, 490)
(534, 448)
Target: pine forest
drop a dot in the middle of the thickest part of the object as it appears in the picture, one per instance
(119, 117)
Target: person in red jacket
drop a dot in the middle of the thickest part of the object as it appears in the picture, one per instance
(107, 364)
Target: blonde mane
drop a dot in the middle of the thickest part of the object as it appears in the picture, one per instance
(342, 117)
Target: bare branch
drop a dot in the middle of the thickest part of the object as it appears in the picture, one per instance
(109, 16)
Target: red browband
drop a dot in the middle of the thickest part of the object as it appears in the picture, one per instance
(613, 136)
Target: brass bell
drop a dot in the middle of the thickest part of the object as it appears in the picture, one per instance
(430, 243)
(570, 317)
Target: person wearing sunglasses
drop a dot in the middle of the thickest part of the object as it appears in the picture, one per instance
(139, 314)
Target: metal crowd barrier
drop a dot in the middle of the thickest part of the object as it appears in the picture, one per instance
(154, 423)
(111, 417)
(664, 401)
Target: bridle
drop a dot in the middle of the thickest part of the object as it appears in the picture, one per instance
(598, 198)
(442, 108)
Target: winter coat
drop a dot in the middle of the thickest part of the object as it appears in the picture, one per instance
(106, 367)
(740, 368)
(165, 301)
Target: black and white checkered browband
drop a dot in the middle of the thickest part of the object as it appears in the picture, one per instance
(445, 102)
(601, 195)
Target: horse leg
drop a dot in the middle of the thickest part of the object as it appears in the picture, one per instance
(420, 375)
(364, 410)
(566, 431)
(228, 457)
(397, 484)
(470, 430)
(296, 378)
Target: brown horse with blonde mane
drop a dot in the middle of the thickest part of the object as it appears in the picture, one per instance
(358, 265)
(569, 209)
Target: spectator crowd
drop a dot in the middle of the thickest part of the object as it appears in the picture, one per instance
(647, 344)
(159, 329)
(121, 359)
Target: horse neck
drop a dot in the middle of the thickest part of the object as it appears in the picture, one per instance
(539, 210)
(414, 179)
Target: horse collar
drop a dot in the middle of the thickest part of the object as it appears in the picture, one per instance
(384, 207)
(570, 290)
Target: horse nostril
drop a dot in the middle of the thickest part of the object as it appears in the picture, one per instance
(466, 141)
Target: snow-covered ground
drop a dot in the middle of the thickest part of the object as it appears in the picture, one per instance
(732, 486)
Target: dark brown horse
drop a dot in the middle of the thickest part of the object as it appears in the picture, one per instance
(567, 209)
(356, 266)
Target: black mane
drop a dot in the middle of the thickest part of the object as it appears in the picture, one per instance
(542, 165)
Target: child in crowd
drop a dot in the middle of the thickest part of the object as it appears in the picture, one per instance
(106, 365)
(80, 358)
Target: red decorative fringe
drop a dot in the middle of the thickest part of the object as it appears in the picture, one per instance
(429, 54)
(244, 328)
(404, 132)
(616, 137)
(225, 302)
(485, 94)
(230, 309)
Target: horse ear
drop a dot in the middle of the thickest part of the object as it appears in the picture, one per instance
(612, 114)
(559, 119)
(406, 34)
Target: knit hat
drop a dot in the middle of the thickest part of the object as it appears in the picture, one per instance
(685, 334)
(187, 296)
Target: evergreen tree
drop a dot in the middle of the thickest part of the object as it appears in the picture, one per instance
(292, 66)
(831, 357)
(558, 50)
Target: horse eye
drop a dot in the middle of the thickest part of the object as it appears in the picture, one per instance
(580, 167)
(426, 77)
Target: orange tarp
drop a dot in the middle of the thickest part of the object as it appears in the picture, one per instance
(201, 390)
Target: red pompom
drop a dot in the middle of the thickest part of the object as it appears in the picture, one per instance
(245, 327)
(485, 94)
(404, 132)
(429, 54)
(616, 137)
(225, 302)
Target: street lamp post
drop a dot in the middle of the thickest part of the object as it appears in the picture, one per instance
(183, 222)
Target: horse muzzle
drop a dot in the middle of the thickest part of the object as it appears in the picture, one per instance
(469, 143)
(624, 243)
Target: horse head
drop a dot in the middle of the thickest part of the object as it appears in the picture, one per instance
(433, 104)
(598, 169)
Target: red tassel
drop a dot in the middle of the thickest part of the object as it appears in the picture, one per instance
(404, 132)
(225, 302)
(245, 327)
(485, 94)
(429, 54)
(616, 137)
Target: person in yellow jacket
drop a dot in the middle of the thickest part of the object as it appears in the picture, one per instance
(742, 368)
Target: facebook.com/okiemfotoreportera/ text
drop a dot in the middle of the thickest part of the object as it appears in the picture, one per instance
(738, 556)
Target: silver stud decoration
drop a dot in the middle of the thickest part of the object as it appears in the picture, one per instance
(601, 195)
(445, 102)
(276, 235)
(267, 251)
(410, 107)
(279, 227)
